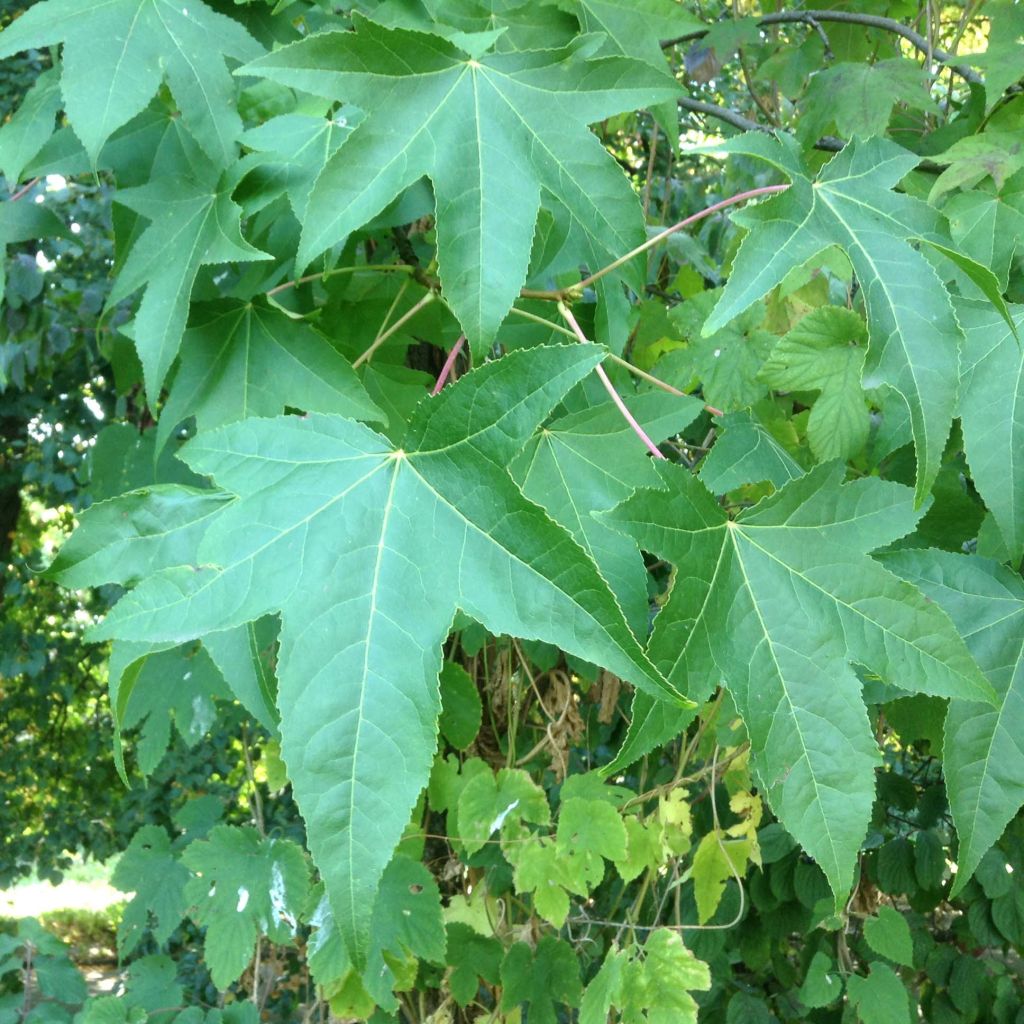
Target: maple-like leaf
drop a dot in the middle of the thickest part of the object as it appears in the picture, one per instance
(913, 332)
(988, 224)
(776, 601)
(541, 978)
(30, 126)
(194, 222)
(589, 461)
(489, 131)
(858, 98)
(992, 415)
(367, 550)
(244, 359)
(1001, 60)
(116, 53)
(983, 749)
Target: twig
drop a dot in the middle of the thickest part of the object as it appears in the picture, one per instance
(624, 363)
(24, 190)
(692, 219)
(399, 323)
(449, 365)
(609, 387)
(374, 268)
(918, 41)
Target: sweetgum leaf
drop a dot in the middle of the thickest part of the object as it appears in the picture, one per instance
(588, 462)
(489, 131)
(913, 332)
(367, 551)
(117, 52)
(777, 599)
(745, 453)
(247, 359)
(983, 751)
(30, 126)
(193, 222)
(991, 389)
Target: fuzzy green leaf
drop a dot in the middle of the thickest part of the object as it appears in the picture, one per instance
(245, 887)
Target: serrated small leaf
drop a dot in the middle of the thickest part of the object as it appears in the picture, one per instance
(888, 934)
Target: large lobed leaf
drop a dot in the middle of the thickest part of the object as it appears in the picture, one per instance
(983, 748)
(913, 332)
(367, 550)
(779, 604)
(116, 53)
(491, 132)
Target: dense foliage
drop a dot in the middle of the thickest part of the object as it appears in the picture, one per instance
(547, 507)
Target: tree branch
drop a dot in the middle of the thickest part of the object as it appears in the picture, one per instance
(811, 18)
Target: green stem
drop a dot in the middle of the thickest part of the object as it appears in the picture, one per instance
(368, 268)
(399, 323)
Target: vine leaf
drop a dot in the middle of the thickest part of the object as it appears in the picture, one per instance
(824, 352)
(993, 380)
(247, 359)
(777, 600)
(983, 753)
(745, 452)
(194, 222)
(367, 551)
(913, 333)
(116, 53)
(245, 886)
(542, 978)
(589, 461)
(489, 131)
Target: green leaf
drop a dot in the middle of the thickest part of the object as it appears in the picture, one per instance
(726, 360)
(825, 353)
(246, 359)
(992, 154)
(407, 922)
(880, 998)
(635, 28)
(983, 755)
(290, 152)
(32, 124)
(999, 61)
(342, 517)
(22, 222)
(245, 887)
(117, 52)
(823, 984)
(888, 934)
(151, 870)
(850, 204)
(993, 379)
(461, 708)
(542, 980)
(858, 99)
(589, 461)
(604, 989)
(589, 831)
(539, 870)
(487, 802)
(745, 453)
(498, 128)
(716, 860)
(988, 225)
(152, 983)
(670, 973)
(194, 222)
(779, 598)
(472, 957)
